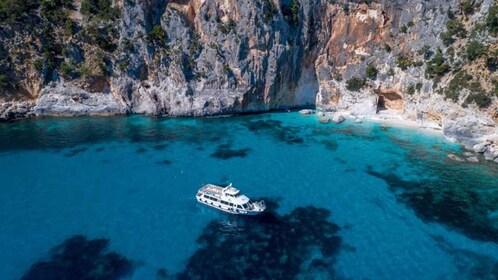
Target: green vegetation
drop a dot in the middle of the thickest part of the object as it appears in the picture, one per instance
(68, 70)
(492, 19)
(12, 10)
(437, 66)
(355, 84)
(371, 72)
(457, 84)
(492, 60)
(295, 12)
(226, 69)
(411, 89)
(477, 96)
(468, 6)
(102, 9)
(455, 29)
(404, 62)
(4, 82)
(475, 50)
(157, 35)
(426, 52)
(403, 29)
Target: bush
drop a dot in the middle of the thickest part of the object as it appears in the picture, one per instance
(478, 96)
(12, 10)
(426, 52)
(457, 84)
(456, 28)
(4, 82)
(492, 19)
(447, 38)
(355, 84)
(157, 35)
(437, 66)
(371, 72)
(295, 12)
(492, 60)
(411, 89)
(100, 8)
(404, 62)
(468, 6)
(475, 50)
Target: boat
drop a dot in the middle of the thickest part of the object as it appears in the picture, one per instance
(229, 199)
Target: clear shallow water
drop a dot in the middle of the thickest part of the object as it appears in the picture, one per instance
(402, 209)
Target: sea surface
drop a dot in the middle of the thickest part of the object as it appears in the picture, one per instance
(115, 198)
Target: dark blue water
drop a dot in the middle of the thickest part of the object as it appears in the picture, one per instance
(346, 201)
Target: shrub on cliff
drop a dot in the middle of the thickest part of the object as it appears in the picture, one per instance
(4, 82)
(371, 72)
(437, 66)
(475, 50)
(355, 84)
(478, 96)
(457, 84)
(102, 9)
(492, 19)
(157, 35)
(12, 10)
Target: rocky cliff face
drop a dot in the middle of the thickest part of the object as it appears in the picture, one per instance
(425, 60)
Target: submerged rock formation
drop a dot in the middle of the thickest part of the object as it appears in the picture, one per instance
(413, 59)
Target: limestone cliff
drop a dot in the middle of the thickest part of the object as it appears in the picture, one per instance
(425, 60)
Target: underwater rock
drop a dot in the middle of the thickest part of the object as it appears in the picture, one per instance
(78, 258)
(468, 154)
(473, 159)
(459, 207)
(226, 152)
(268, 246)
(455, 158)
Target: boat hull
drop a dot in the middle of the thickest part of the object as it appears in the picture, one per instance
(229, 210)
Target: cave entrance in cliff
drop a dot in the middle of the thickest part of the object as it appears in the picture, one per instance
(389, 100)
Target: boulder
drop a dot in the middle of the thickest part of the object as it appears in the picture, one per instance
(455, 158)
(338, 118)
(306, 112)
(358, 120)
(324, 120)
(473, 159)
(491, 152)
(481, 147)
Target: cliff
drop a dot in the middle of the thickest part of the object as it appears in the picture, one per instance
(429, 61)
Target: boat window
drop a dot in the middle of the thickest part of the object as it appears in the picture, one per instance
(238, 206)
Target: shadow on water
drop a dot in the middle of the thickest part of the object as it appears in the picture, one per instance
(78, 258)
(268, 246)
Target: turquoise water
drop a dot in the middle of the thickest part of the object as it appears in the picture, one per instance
(357, 201)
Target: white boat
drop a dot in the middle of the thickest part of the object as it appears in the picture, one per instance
(229, 199)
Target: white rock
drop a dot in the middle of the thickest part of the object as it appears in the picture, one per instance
(481, 147)
(491, 152)
(358, 120)
(337, 118)
(306, 112)
(324, 120)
